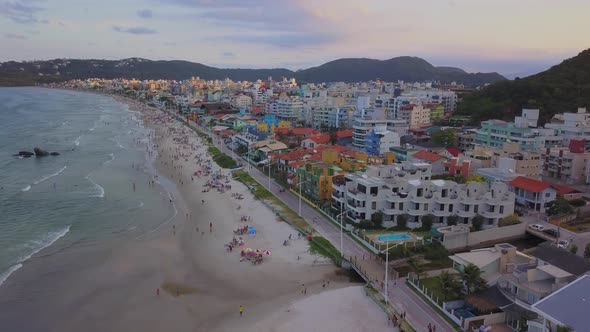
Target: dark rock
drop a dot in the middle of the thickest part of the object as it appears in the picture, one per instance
(54, 153)
(40, 152)
(25, 154)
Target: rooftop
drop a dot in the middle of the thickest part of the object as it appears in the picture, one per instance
(568, 306)
(563, 259)
(428, 156)
(529, 184)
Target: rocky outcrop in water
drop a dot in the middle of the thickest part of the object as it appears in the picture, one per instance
(24, 154)
(40, 152)
(54, 153)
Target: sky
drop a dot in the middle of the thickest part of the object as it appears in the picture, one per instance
(512, 37)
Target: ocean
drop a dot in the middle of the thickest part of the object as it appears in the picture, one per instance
(86, 195)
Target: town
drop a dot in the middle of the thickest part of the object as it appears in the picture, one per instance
(488, 224)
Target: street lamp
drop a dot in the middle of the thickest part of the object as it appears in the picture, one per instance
(299, 184)
(386, 270)
(269, 158)
(341, 216)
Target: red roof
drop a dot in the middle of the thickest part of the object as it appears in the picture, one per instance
(563, 190)
(529, 184)
(344, 133)
(293, 155)
(320, 139)
(428, 156)
(256, 110)
(283, 131)
(303, 131)
(454, 152)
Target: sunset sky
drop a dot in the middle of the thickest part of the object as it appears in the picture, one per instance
(507, 36)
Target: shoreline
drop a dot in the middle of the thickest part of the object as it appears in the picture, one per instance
(201, 285)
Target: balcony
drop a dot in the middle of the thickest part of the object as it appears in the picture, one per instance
(353, 193)
(354, 206)
(338, 187)
(338, 197)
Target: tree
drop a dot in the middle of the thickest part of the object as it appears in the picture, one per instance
(476, 178)
(574, 249)
(333, 138)
(449, 285)
(472, 280)
(477, 222)
(427, 221)
(402, 220)
(510, 220)
(587, 251)
(560, 206)
(452, 220)
(416, 267)
(377, 218)
(444, 137)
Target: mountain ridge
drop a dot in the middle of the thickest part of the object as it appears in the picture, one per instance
(406, 68)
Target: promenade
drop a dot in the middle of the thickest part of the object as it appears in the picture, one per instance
(418, 313)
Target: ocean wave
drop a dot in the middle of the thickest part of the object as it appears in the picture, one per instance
(27, 188)
(35, 246)
(51, 175)
(109, 161)
(77, 141)
(165, 222)
(100, 189)
(140, 204)
(119, 144)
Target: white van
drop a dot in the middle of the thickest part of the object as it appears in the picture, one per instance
(536, 227)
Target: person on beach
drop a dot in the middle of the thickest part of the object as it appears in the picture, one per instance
(210, 227)
(241, 310)
(158, 291)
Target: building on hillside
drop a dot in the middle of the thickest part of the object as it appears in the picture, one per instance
(380, 140)
(523, 131)
(407, 189)
(532, 194)
(437, 161)
(567, 165)
(572, 126)
(466, 139)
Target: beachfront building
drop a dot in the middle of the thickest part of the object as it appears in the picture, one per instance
(316, 180)
(288, 108)
(406, 188)
(380, 140)
(567, 165)
(532, 194)
(331, 117)
(523, 130)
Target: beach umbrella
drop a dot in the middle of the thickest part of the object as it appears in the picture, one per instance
(258, 251)
(248, 249)
(267, 252)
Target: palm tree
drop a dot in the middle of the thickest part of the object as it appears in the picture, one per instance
(471, 277)
(449, 285)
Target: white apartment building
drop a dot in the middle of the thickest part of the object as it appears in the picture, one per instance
(331, 117)
(287, 109)
(572, 126)
(566, 164)
(241, 101)
(407, 189)
(367, 120)
(380, 140)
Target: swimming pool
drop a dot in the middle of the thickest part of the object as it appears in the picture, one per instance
(394, 237)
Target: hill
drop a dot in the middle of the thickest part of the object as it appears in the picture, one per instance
(347, 70)
(561, 88)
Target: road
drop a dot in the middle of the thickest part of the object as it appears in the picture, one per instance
(579, 239)
(418, 313)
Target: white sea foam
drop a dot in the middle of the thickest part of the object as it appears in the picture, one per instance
(35, 246)
(98, 187)
(77, 141)
(51, 175)
(27, 188)
(140, 204)
(112, 158)
(165, 222)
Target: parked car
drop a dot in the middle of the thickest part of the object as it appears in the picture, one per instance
(536, 227)
(551, 232)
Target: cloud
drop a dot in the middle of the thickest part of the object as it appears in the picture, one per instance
(14, 36)
(135, 30)
(282, 40)
(145, 13)
(22, 12)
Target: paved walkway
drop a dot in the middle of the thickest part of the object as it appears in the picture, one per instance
(418, 313)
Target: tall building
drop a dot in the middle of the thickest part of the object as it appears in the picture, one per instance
(380, 140)
(416, 116)
(368, 119)
(572, 126)
(568, 165)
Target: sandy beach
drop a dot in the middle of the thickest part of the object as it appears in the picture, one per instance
(181, 275)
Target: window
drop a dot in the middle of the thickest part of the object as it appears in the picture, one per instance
(417, 206)
(547, 194)
(501, 208)
(466, 220)
(444, 193)
(425, 206)
(475, 208)
(374, 205)
(466, 208)
(492, 208)
(419, 192)
(450, 207)
(374, 191)
(393, 205)
(401, 206)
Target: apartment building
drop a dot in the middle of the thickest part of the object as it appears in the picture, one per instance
(572, 126)
(417, 116)
(532, 194)
(568, 165)
(286, 108)
(380, 140)
(331, 117)
(406, 188)
(368, 119)
(523, 130)
(466, 139)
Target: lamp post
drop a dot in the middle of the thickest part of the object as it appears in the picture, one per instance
(299, 184)
(386, 270)
(269, 160)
